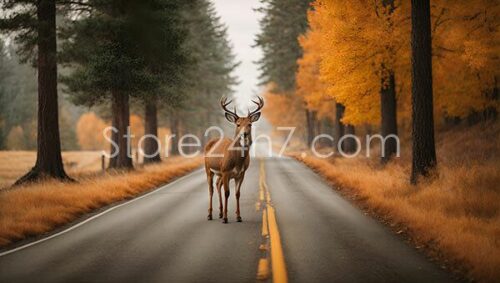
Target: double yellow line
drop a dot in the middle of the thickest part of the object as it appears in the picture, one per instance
(270, 231)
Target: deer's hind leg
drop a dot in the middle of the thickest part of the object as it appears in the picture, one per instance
(210, 179)
(225, 182)
(219, 187)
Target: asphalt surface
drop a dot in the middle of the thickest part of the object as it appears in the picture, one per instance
(165, 237)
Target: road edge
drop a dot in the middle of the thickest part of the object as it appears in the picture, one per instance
(87, 217)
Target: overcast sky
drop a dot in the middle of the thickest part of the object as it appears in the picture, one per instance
(243, 25)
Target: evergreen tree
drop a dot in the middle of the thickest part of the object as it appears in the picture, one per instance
(34, 23)
(18, 98)
(207, 77)
(166, 59)
(112, 48)
(4, 72)
(281, 25)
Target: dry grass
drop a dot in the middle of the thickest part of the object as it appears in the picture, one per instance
(39, 208)
(457, 214)
(14, 164)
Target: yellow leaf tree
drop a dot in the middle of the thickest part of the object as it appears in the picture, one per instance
(89, 132)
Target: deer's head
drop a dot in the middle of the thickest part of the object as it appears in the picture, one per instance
(243, 131)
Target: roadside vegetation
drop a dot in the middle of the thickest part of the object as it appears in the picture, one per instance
(424, 71)
(156, 67)
(33, 210)
(13, 164)
(163, 64)
(454, 216)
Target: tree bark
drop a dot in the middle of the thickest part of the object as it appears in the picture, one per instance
(310, 127)
(114, 139)
(349, 145)
(121, 120)
(326, 127)
(174, 129)
(423, 150)
(339, 126)
(389, 124)
(151, 146)
(388, 104)
(49, 160)
(317, 123)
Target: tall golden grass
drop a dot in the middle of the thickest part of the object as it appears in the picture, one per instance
(456, 214)
(14, 164)
(39, 208)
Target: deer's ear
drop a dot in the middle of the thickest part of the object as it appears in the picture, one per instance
(254, 117)
(231, 117)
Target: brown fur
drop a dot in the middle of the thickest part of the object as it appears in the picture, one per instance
(229, 159)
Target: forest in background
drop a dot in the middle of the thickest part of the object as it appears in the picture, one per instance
(345, 67)
(180, 67)
(426, 71)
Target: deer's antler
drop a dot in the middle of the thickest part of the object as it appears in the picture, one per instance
(224, 103)
(259, 104)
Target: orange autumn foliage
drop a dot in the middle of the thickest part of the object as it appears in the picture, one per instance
(136, 129)
(89, 132)
(466, 55)
(283, 110)
(348, 42)
(353, 41)
(309, 86)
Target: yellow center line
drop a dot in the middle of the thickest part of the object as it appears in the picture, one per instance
(270, 227)
(277, 258)
(263, 269)
(265, 231)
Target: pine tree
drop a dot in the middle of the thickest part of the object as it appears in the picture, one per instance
(35, 25)
(282, 24)
(165, 59)
(112, 49)
(208, 75)
(4, 73)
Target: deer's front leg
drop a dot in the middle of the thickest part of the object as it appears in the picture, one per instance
(225, 182)
(219, 187)
(239, 181)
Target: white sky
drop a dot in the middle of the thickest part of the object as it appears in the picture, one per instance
(243, 25)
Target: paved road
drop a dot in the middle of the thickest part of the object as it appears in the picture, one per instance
(165, 237)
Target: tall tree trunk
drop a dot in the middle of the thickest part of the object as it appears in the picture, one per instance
(310, 127)
(174, 129)
(317, 123)
(388, 115)
(424, 151)
(349, 145)
(388, 105)
(48, 160)
(121, 118)
(114, 138)
(151, 146)
(339, 126)
(325, 128)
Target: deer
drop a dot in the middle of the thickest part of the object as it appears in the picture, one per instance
(229, 158)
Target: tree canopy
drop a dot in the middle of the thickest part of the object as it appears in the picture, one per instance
(283, 22)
